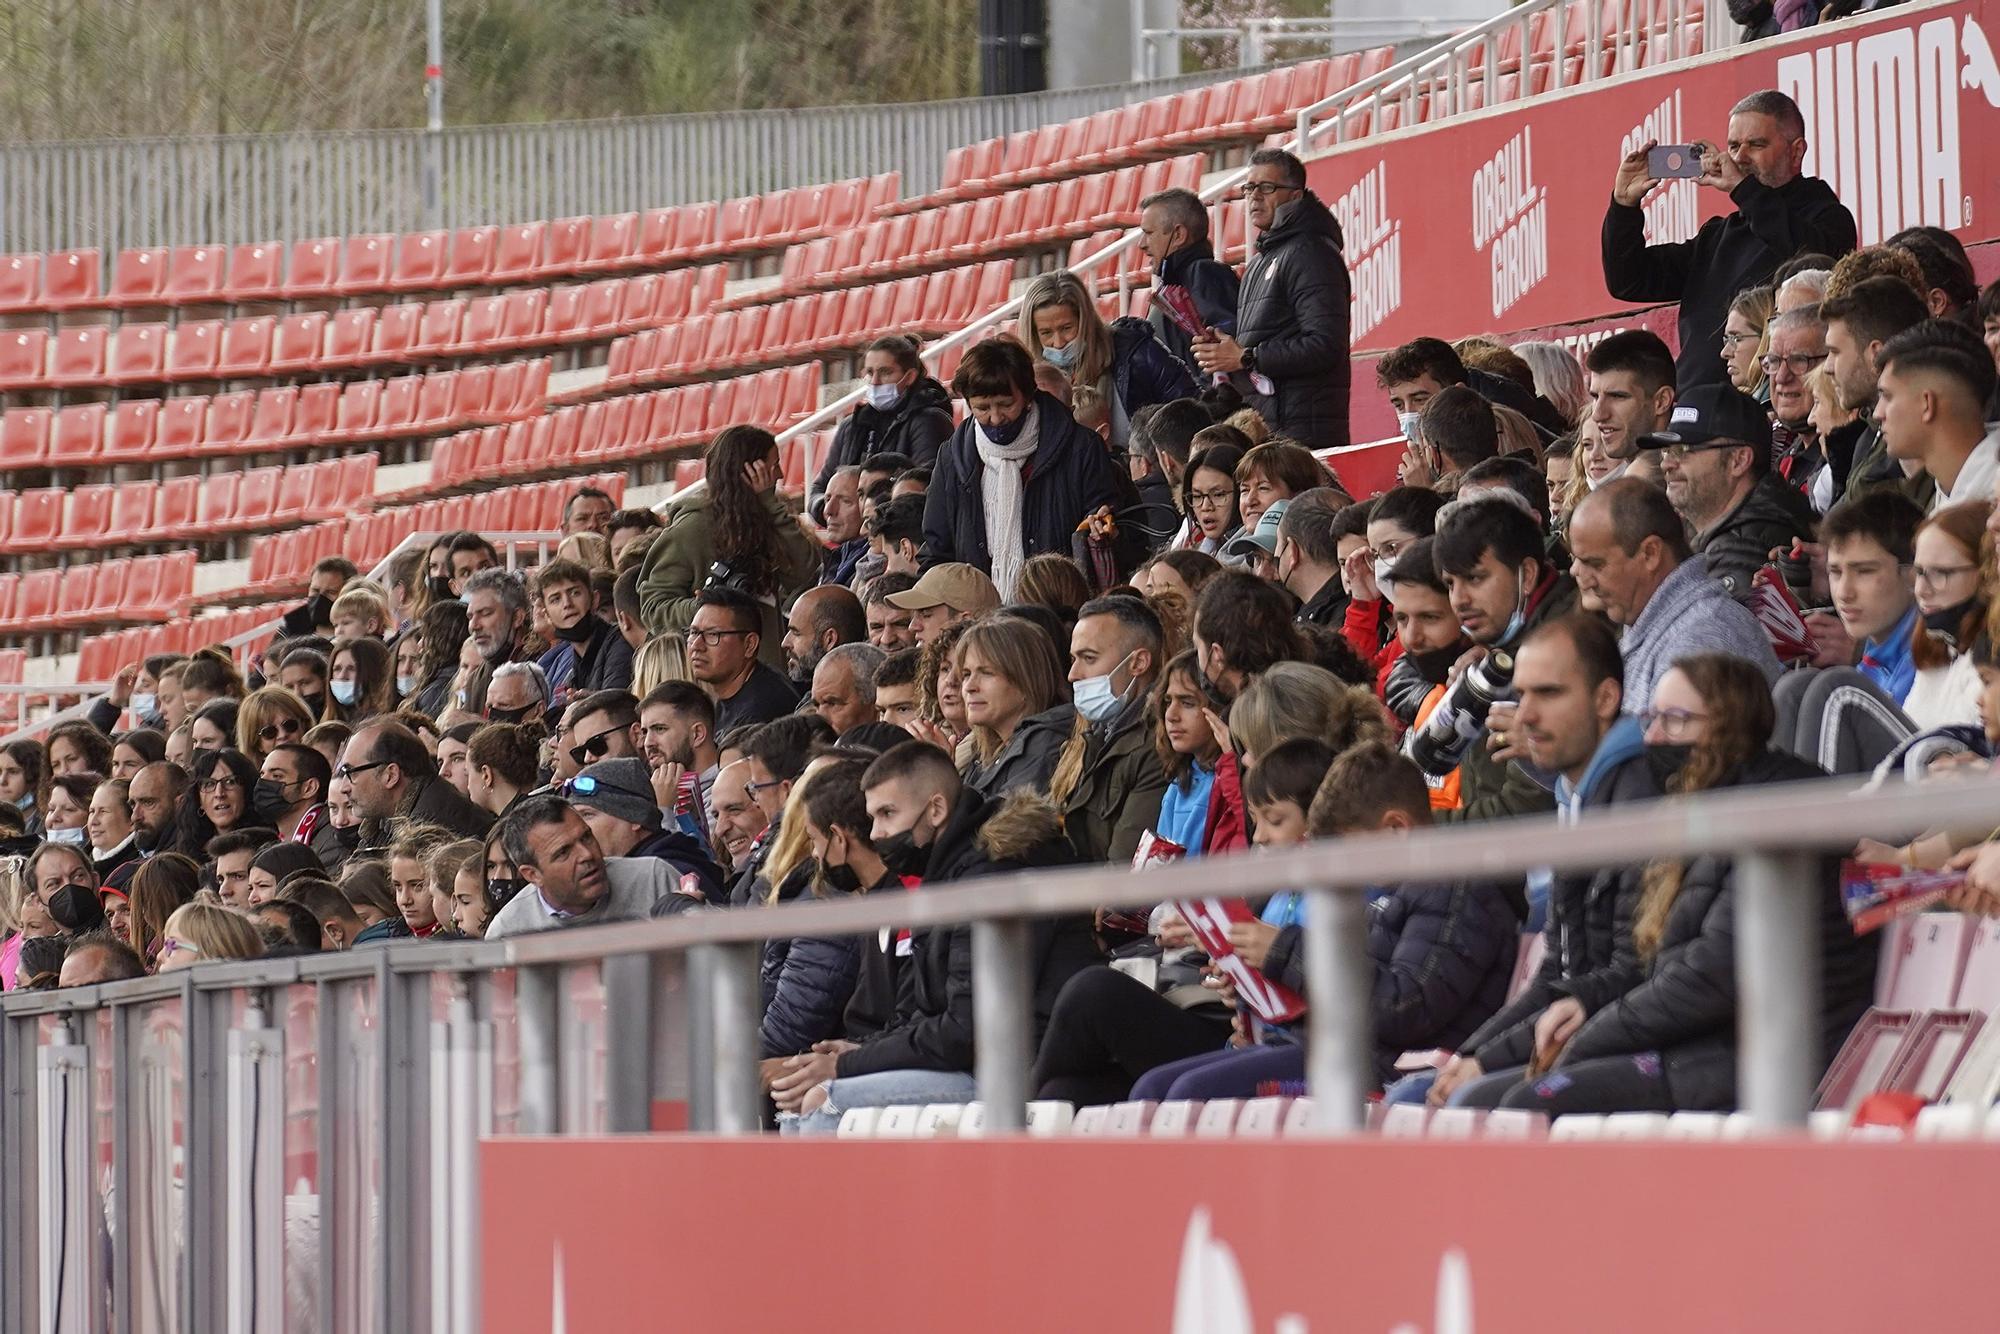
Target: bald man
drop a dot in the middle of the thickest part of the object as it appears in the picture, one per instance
(821, 620)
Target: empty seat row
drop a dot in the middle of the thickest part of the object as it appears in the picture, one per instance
(962, 233)
(101, 655)
(488, 256)
(131, 513)
(626, 427)
(284, 417)
(141, 588)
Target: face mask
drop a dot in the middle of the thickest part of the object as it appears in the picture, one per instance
(319, 609)
(579, 633)
(25, 802)
(1216, 699)
(407, 685)
(507, 715)
(1666, 761)
(1944, 622)
(146, 706)
(1007, 432)
(1062, 358)
(1095, 699)
(347, 839)
(440, 588)
(1519, 619)
(463, 600)
(841, 879)
(902, 856)
(499, 891)
(345, 692)
(882, 397)
(315, 703)
(74, 837)
(1408, 422)
(268, 800)
(1382, 568)
(1434, 666)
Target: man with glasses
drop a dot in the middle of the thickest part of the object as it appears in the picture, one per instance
(392, 775)
(1288, 355)
(615, 798)
(1630, 557)
(1778, 213)
(1716, 452)
(291, 796)
(1931, 404)
(1798, 346)
(1173, 227)
(722, 644)
(603, 728)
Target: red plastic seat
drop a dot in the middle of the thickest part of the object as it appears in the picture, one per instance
(177, 432)
(471, 262)
(349, 335)
(38, 517)
(35, 597)
(656, 233)
(254, 272)
(20, 282)
(438, 329)
(175, 508)
(24, 438)
(137, 278)
(358, 402)
(564, 248)
(76, 594)
(420, 262)
(78, 438)
(475, 391)
(603, 303)
(315, 268)
(562, 320)
(80, 353)
(257, 497)
(131, 511)
(295, 346)
(271, 421)
(288, 505)
(24, 358)
(318, 405)
(642, 294)
(194, 275)
(695, 228)
(395, 333)
(517, 251)
(521, 317)
(230, 420)
(72, 279)
(356, 484)
(246, 347)
(396, 415)
(479, 330)
(367, 264)
(194, 350)
(434, 401)
(133, 423)
(611, 244)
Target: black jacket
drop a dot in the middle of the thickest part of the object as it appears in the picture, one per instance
(805, 981)
(1327, 607)
(1685, 1009)
(1873, 470)
(882, 981)
(933, 1028)
(916, 426)
(688, 857)
(1443, 955)
(1069, 476)
(1739, 250)
(1143, 371)
(1028, 760)
(1740, 543)
(437, 803)
(1210, 284)
(1589, 952)
(1292, 312)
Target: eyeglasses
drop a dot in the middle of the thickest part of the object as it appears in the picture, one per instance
(1800, 362)
(1937, 574)
(754, 788)
(1674, 724)
(1679, 452)
(1253, 189)
(221, 784)
(283, 727)
(349, 771)
(585, 785)
(714, 637)
(1208, 499)
(171, 946)
(593, 749)
(1730, 340)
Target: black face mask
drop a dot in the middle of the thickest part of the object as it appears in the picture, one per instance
(347, 839)
(315, 703)
(1666, 761)
(1216, 699)
(1945, 621)
(440, 588)
(319, 610)
(579, 633)
(841, 879)
(498, 892)
(268, 801)
(902, 856)
(1434, 666)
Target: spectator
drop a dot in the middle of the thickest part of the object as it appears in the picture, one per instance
(1189, 754)
(268, 717)
(676, 736)
(589, 653)
(841, 528)
(97, 958)
(570, 880)
(108, 824)
(361, 680)
(1413, 374)
(217, 798)
(156, 794)
(1558, 379)
(67, 808)
(724, 651)
(1803, 289)
(888, 625)
(359, 614)
(500, 767)
(775, 757)
(603, 726)
(615, 798)
(1633, 564)
(895, 537)
(272, 864)
(519, 693)
(1275, 471)
(625, 604)
(659, 660)
(627, 527)
(1798, 346)
(392, 775)
(925, 823)
(1107, 779)
(202, 932)
(843, 686)
(1288, 353)
(290, 797)
(805, 981)
(1935, 380)
(1870, 545)
(1016, 702)
(1243, 626)
(1209, 498)
(212, 728)
(737, 821)
(946, 595)
(1859, 324)
(821, 620)
(896, 688)
(78, 748)
(1173, 227)
(903, 411)
(1947, 284)
(1166, 443)
(443, 630)
(1953, 606)
(1631, 378)
(466, 555)
(1018, 477)
(1457, 431)
(1428, 643)
(1778, 214)
(1746, 338)
(1308, 556)
(1123, 363)
(588, 510)
(736, 532)
(1838, 429)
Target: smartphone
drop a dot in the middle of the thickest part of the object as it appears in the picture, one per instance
(1671, 162)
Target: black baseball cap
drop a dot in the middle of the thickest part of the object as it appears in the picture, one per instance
(1713, 416)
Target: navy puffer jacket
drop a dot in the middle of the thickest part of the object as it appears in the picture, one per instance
(805, 982)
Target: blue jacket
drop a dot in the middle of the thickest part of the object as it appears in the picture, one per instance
(1209, 283)
(1143, 369)
(805, 982)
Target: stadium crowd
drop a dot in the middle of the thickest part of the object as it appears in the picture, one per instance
(1122, 611)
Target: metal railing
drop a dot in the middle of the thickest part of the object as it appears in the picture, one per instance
(1254, 38)
(231, 189)
(262, 1145)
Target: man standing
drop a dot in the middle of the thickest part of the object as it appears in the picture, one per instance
(1173, 227)
(392, 774)
(841, 527)
(588, 510)
(496, 614)
(1779, 213)
(1930, 402)
(570, 881)
(843, 686)
(1716, 454)
(903, 411)
(1630, 378)
(722, 644)
(1288, 354)
(1309, 557)
(1858, 322)
(945, 595)
(821, 620)
(1631, 558)
(589, 653)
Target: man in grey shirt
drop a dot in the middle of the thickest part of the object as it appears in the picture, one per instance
(570, 880)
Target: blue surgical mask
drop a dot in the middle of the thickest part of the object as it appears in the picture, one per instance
(406, 685)
(1007, 432)
(76, 838)
(1519, 619)
(1095, 699)
(145, 705)
(1063, 358)
(1408, 422)
(882, 397)
(345, 692)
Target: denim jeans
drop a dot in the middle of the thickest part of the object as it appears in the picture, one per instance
(886, 1088)
(1412, 1088)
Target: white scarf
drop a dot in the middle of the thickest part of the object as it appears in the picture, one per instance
(1001, 491)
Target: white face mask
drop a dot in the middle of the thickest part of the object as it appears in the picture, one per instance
(345, 692)
(882, 397)
(1408, 422)
(1095, 699)
(76, 838)
(145, 705)
(1382, 568)
(406, 685)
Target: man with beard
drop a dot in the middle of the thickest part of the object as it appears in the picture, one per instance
(1858, 322)
(156, 798)
(676, 736)
(1716, 453)
(821, 620)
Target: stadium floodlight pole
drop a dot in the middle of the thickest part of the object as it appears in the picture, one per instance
(434, 126)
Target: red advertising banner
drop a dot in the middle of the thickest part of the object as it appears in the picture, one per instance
(1215, 1237)
(1490, 223)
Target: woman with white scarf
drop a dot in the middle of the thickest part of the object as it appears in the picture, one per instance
(1019, 476)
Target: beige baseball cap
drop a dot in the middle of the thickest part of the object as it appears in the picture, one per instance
(962, 587)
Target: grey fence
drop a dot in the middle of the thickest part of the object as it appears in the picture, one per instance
(230, 189)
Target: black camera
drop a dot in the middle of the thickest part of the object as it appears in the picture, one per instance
(724, 575)
(1460, 717)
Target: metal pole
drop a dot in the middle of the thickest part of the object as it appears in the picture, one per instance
(1340, 985)
(1777, 971)
(434, 99)
(541, 1078)
(1002, 1025)
(1140, 53)
(732, 976)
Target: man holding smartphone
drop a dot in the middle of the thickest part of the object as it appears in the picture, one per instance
(1779, 214)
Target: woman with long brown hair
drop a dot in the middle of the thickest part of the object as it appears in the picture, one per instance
(1952, 599)
(1016, 702)
(1669, 1043)
(162, 884)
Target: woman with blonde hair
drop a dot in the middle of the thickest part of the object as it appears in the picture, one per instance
(661, 659)
(1297, 699)
(1016, 696)
(1123, 361)
(270, 716)
(1746, 337)
(1558, 377)
(199, 932)
(1055, 582)
(589, 550)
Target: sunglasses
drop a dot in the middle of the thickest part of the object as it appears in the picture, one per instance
(596, 748)
(585, 785)
(284, 727)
